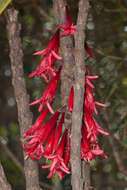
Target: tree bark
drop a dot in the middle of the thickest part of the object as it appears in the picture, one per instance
(22, 99)
(4, 185)
(77, 180)
(66, 47)
(67, 80)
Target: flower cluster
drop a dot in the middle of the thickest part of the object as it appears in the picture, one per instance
(48, 138)
(90, 129)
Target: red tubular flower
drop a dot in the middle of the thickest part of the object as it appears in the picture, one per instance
(71, 99)
(90, 149)
(47, 139)
(89, 103)
(49, 144)
(68, 27)
(58, 132)
(49, 94)
(45, 68)
(93, 128)
(57, 159)
(36, 125)
(34, 146)
(66, 156)
(89, 79)
(53, 140)
(52, 47)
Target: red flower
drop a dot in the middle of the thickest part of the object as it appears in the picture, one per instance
(45, 68)
(49, 94)
(89, 103)
(34, 146)
(53, 141)
(90, 149)
(89, 78)
(93, 128)
(58, 132)
(36, 125)
(57, 161)
(68, 27)
(66, 157)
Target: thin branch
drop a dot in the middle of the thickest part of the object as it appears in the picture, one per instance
(77, 182)
(113, 57)
(66, 46)
(24, 114)
(123, 10)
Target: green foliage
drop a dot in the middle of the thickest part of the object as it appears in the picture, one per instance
(4, 4)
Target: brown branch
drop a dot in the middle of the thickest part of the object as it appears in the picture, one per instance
(4, 185)
(113, 57)
(24, 114)
(66, 46)
(77, 183)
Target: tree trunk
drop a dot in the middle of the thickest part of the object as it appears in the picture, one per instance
(22, 99)
(70, 72)
(77, 178)
(4, 185)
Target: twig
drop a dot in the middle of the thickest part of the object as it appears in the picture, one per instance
(116, 10)
(116, 58)
(66, 46)
(24, 114)
(77, 182)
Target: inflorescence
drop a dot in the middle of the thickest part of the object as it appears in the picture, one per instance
(49, 138)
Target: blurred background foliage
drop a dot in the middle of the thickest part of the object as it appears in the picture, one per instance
(107, 33)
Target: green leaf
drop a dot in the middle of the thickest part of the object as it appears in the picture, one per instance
(4, 4)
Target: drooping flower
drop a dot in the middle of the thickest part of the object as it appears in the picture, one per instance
(67, 27)
(66, 157)
(57, 161)
(89, 102)
(90, 148)
(89, 78)
(93, 128)
(37, 124)
(54, 138)
(49, 55)
(49, 94)
(34, 145)
(51, 139)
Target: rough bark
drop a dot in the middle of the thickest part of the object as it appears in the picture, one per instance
(77, 181)
(22, 99)
(86, 176)
(66, 47)
(4, 185)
